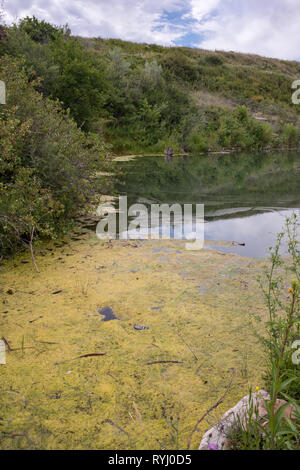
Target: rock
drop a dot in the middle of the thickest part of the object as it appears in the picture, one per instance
(218, 434)
(288, 411)
(169, 152)
(140, 327)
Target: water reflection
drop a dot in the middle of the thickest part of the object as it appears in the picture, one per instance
(247, 195)
(257, 232)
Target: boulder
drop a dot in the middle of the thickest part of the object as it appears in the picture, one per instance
(217, 436)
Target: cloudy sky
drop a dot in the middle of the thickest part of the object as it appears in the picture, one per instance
(266, 27)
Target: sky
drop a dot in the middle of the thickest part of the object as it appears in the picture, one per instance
(266, 27)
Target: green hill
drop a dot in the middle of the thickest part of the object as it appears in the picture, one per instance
(216, 83)
(143, 97)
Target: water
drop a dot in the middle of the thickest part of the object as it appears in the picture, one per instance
(246, 195)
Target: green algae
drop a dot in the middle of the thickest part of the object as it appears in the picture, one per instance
(57, 400)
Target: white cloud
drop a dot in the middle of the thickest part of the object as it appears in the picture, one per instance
(132, 20)
(266, 27)
(201, 8)
(269, 28)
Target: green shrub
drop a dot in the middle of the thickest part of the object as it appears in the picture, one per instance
(214, 60)
(69, 73)
(39, 31)
(178, 65)
(290, 135)
(45, 161)
(197, 144)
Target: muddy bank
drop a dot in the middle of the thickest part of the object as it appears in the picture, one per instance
(73, 380)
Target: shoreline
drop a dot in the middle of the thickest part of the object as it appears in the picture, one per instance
(118, 157)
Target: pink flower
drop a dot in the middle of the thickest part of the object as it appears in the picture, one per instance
(212, 447)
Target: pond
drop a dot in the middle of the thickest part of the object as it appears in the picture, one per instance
(246, 196)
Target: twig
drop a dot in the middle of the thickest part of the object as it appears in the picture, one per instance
(90, 355)
(132, 418)
(187, 345)
(163, 362)
(113, 377)
(83, 355)
(31, 249)
(10, 348)
(218, 402)
(7, 343)
(44, 342)
(110, 421)
(138, 414)
(35, 319)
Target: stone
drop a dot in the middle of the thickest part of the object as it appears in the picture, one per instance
(169, 152)
(140, 327)
(217, 436)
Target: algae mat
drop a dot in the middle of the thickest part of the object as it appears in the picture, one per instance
(58, 391)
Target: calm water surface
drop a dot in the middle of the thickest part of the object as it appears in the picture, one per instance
(246, 195)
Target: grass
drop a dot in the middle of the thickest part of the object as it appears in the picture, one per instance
(280, 429)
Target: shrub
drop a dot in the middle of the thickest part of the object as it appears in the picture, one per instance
(45, 161)
(178, 65)
(39, 31)
(197, 144)
(290, 135)
(78, 78)
(214, 60)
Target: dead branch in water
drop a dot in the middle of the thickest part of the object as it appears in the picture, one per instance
(138, 414)
(7, 343)
(163, 362)
(187, 345)
(83, 355)
(110, 421)
(218, 402)
(31, 248)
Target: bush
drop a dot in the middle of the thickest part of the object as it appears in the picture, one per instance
(290, 135)
(196, 144)
(69, 73)
(39, 31)
(45, 161)
(178, 65)
(214, 60)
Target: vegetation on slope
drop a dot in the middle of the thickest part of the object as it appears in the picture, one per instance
(143, 97)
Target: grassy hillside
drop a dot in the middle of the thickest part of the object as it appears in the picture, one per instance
(216, 83)
(143, 97)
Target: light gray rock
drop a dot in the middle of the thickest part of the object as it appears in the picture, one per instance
(217, 436)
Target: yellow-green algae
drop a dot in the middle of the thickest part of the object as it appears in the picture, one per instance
(194, 303)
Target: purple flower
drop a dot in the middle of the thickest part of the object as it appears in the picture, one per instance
(212, 447)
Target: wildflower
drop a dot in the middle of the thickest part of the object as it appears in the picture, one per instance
(212, 447)
(257, 389)
(295, 286)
